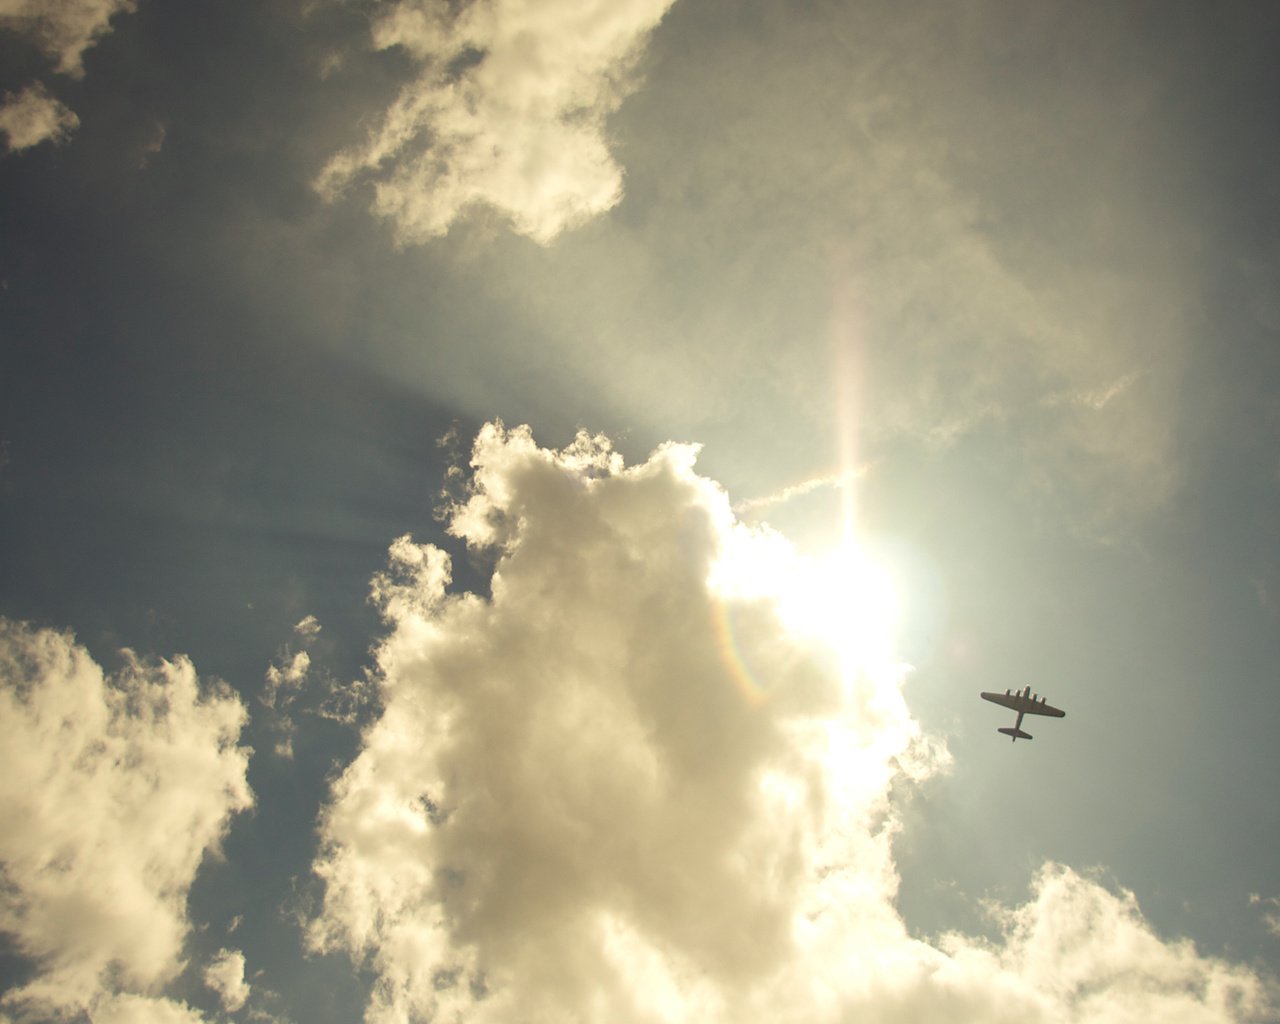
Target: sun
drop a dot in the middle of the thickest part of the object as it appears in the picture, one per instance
(845, 599)
(850, 601)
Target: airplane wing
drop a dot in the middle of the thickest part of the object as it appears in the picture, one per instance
(1024, 704)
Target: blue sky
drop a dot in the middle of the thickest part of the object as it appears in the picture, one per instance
(507, 509)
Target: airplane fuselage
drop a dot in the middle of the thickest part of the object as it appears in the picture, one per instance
(1024, 702)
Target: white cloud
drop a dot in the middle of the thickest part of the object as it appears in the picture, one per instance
(226, 977)
(613, 791)
(288, 675)
(33, 116)
(114, 790)
(912, 250)
(1270, 911)
(284, 682)
(296, 685)
(508, 112)
(126, 1008)
(63, 29)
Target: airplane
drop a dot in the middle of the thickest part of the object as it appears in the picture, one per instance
(1025, 703)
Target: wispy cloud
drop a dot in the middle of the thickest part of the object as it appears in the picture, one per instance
(985, 282)
(63, 29)
(1270, 909)
(294, 685)
(507, 112)
(1096, 397)
(33, 116)
(285, 679)
(782, 496)
(225, 975)
(114, 790)
(617, 791)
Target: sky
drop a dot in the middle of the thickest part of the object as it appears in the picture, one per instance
(507, 508)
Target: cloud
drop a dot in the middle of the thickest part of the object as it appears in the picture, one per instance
(1094, 398)
(286, 676)
(621, 788)
(114, 790)
(152, 146)
(294, 685)
(508, 112)
(1270, 911)
(33, 116)
(915, 252)
(126, 1008)
(831, 481)
(226, 977)
(63, 29)
(285, 680)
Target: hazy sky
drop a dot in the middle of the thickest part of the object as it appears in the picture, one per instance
(506, 509)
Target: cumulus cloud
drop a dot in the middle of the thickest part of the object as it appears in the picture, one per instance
(127, 1008)
(226, 977)
(33, 116)
(114, 790)
(508, 112)
(308, 628)
(63, 29)
(627, 787)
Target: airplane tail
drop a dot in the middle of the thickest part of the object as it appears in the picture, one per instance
(1016, 733)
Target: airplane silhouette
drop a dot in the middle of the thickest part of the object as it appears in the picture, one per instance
(1025, 703)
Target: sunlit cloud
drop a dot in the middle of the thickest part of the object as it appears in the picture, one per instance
(296, 685)
(507, 112)
(287, 675)
(63, 29)
(127, 1008)
(33, 116)
(225, 975)
(989, 286)
(829, 481)
(583, 799)
(115, 788)
(285, 679)
(1269, 906)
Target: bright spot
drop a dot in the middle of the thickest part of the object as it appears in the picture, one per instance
(846, 599)
(849, 601)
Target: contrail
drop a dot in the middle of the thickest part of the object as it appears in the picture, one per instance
(797, 490)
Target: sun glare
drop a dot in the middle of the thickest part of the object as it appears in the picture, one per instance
(849, 601)
(846, 600)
